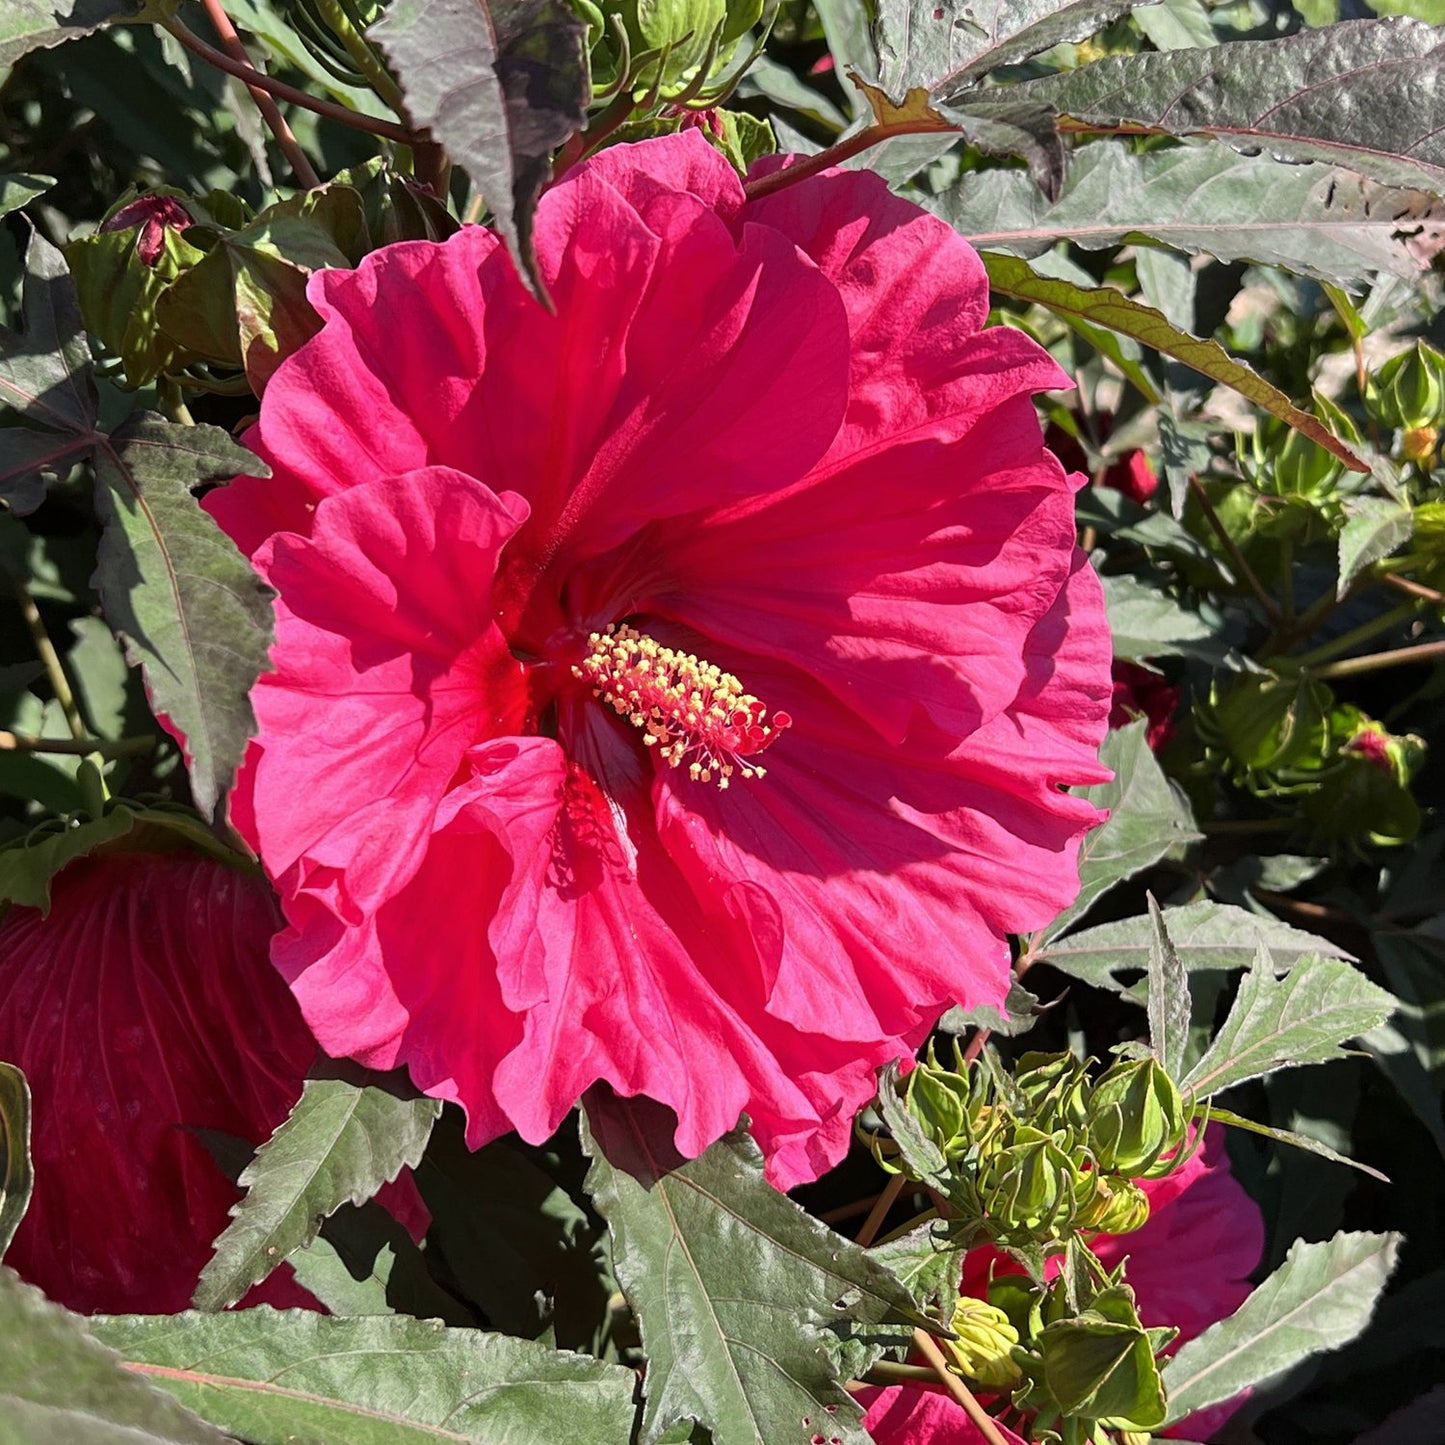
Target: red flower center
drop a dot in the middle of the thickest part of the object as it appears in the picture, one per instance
(691, 711)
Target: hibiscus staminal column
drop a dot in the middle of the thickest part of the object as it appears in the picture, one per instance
(687, 709)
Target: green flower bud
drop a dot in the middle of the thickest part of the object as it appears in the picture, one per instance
(940, 1100)
(1136, 1117)
(1126, 1208)
(1028, 1186)
(1273, 731)
(1056, 1086)
(983, 1349)
(1408, 391)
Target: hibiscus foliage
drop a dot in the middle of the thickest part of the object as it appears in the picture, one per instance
(718, 720)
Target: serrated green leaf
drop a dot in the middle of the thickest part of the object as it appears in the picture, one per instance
(1282, 1023)
(1168, 997)
(1147, 820)
(923, 1157)
(1207, 936)
(58, 1384)
(192, 613)
(928, 1266)
(1362, 95)
(1147, 622)
(1321, 221)
(19, 190)
(1293, 1139)
(279, 1377)
(1107, 307)
(340, 1143)
(734, 1287)
(501, 84)
(1376, 527)
(17, 1178)
(1320, 1298)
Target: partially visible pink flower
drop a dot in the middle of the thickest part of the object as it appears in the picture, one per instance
(1189, 1267)
(141, 1009)
(1138, 692)
(680, 690)
(1130, 473)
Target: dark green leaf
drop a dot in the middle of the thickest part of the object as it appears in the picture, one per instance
(1376, 527)
(1017, 1016)
(1147, 820)
(1363, 95)
(1319, 1299)
(1168, 997)
(1281, 1023)
(281, 1378)
(1147, 622)
(946, 46)
(1105, 306)
(27, 25)
(512, 1240)
(18, 190)
(45, 375)
(928, 1265)
(16, 1176)
(733, 1285)
(340, 1143)
(190, 610)
(923, 1157)
(501, 84)
(1321, 221)
(1206, 935)
(59, 1386)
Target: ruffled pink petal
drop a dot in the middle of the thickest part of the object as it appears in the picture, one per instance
(906, 582)
(388, 668)
(906, 1415)
(142, 1009)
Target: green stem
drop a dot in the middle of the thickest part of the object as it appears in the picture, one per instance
(1378, 661)
(75, 747)
(257, 81)
(50, 658)
(1347, 641)
(836, 154)
(1236, 556)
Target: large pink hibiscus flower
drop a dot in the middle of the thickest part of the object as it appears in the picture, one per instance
(678, 690)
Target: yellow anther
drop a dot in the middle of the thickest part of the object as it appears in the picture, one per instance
(691, 711)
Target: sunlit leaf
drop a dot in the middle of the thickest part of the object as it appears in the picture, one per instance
(17, 1178)
(1320, 1298)
(340, 1143)
(1103, 305)
(1281, 1023)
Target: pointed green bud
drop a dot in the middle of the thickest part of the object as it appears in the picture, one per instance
(1408, 391)
(1136, 1117)
(1126, 1208)
(983, 1349)
(1057, 1087)
(1028, 1187)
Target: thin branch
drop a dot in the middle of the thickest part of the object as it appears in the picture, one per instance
(258, 81)
(270, 112)
(982, 1420)
(1378, 661)
(75, 747)
(1235, 555)
(54, 670)
(1415, 589)
(836, 154)
(885, 1201)
(1348, 641)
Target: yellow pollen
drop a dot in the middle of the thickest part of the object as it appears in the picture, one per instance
(693, 713)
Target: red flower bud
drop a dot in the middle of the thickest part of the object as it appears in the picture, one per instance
(153, 213)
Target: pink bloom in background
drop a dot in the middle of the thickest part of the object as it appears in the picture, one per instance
(141, 1009)
(1137, 693)
(1130, 473)
(1189, 1267)
(678, 690)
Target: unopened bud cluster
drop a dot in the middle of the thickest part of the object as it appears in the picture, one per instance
(1052, 1151)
